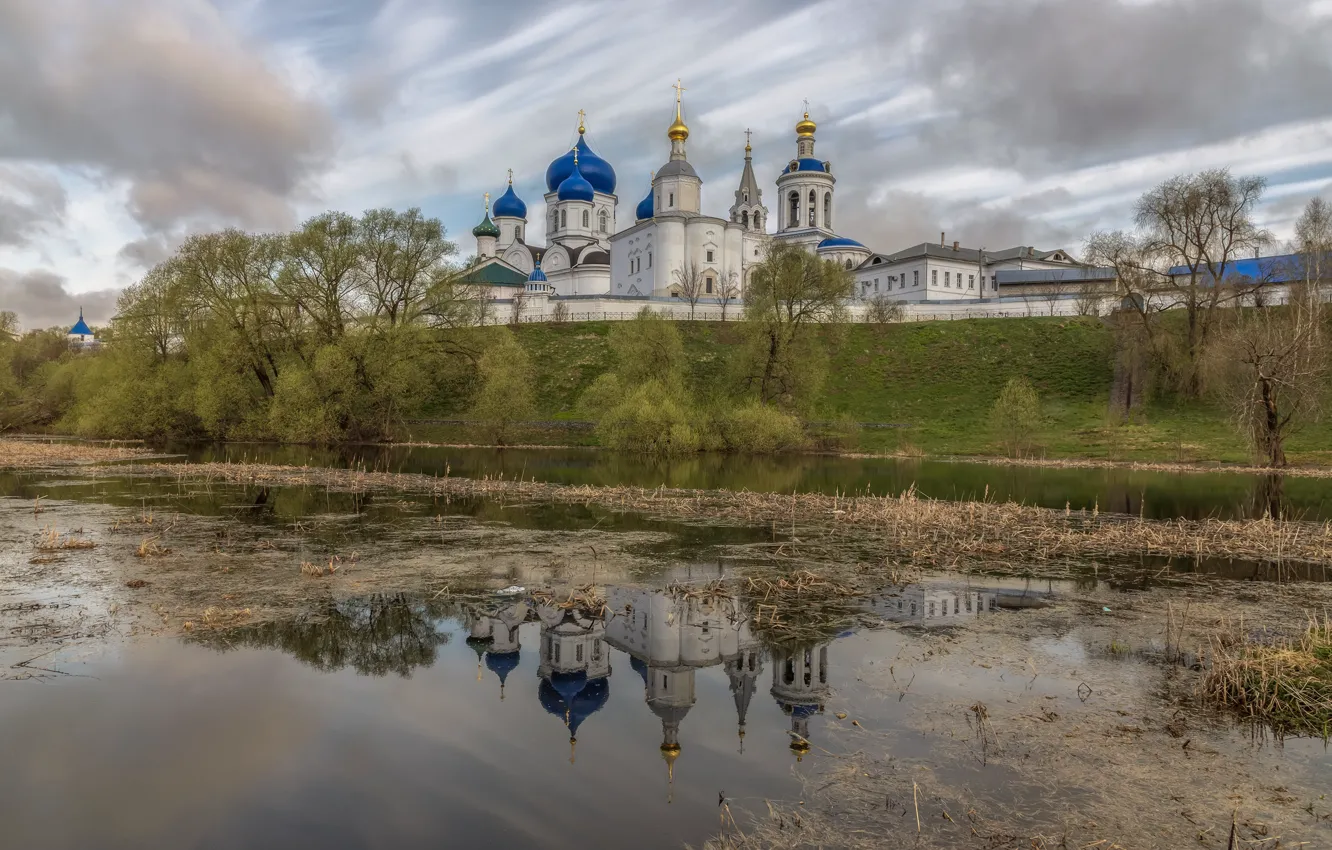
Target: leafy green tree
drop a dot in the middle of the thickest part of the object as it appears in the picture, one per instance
(506, 396)
(789, 295)
(1016, 416)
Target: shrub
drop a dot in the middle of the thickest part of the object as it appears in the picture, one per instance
(881, 310)
(1015, 416)
(760, 429)
(649, 419)
(506, 390)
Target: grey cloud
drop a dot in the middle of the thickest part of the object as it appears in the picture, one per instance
(41, 300)
(1066, 82)
(30, 200)
(161, 94)
(147, 252)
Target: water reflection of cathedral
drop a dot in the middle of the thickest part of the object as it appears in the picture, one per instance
(669, 636)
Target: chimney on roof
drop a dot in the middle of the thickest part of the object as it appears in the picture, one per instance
(941, 238)
(954, 244)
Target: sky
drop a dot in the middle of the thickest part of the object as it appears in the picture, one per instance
(126, 125)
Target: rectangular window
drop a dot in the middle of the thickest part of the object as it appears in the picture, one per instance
(915, 278)
(901, 282)
(971, 281)
(934, 277)
(947, 275)
(709, 256)
(649, 259)
(709, 286)
(671, 203)
(994, 282)
(876, 286)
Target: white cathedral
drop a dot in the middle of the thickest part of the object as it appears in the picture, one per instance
(585, 256)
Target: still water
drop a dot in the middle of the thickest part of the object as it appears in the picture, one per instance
(1155, 495)
(405, 723)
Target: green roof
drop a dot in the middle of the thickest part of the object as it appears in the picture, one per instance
(494, 274)
(486, 228)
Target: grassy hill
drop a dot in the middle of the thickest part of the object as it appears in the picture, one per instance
(938, 380)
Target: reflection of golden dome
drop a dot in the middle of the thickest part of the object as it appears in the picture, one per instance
(806, 127)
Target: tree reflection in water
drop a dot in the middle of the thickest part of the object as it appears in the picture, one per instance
(374, 636)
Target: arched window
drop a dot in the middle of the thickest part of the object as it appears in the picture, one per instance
(518, 233)
(564, 218)
(747, 201)
(603, 221)
(707, 283)
(848, 263)
(813, 206)
(586, 218)
(827, 210)
(744, 220)
(554, 219)
(793, 220)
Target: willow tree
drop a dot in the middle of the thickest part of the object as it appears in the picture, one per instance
(788, 296)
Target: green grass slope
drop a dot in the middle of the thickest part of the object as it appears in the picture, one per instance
(939, 380)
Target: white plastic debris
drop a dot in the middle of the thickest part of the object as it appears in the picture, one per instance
(510, 590)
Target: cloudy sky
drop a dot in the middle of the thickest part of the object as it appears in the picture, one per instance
(126, 124)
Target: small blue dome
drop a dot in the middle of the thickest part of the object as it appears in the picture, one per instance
(588, 702)
(567, 685)
(81, 327)
(840, 242)
(575, 187)
(502, 663)
(644, 210)
(640, 667)
(510, 205)
(537, 274)
(806, 164)
(596, 170)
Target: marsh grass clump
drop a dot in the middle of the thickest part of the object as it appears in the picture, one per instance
(51, 540)
(1286, 682)
(150, 548)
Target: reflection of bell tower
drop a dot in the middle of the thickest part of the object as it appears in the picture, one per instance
(743, 671)
(800, 686)
(670, 696)
(478, 635)
(503, 654)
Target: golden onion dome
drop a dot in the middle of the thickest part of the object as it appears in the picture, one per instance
(806, 127)
(678, 131)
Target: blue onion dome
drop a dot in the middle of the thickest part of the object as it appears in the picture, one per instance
(537, 274)
(588, 702)
(81, 327)
(840, 242)
(596, 170)
(575, 187)
(502, 663)
(645, 207)
(567, 685)
(510, 205)
(808, 163)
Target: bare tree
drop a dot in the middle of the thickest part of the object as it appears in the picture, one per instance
(402, 255)
(1055, 291)
(517, 307)
(1272, 364)
(1087, 299)
(881, 310)
(1313, 246)
(728, 291)
(560, 312)
(1192, 229)
(689, 285)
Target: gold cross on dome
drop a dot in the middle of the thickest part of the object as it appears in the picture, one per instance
(748, 133)
(582, 120)
(806, 106)
(510, 176)
(487, 202)
(678, 89)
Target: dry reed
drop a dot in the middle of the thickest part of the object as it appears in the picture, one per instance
(905, 527)
(51, 540)
(1285, 682)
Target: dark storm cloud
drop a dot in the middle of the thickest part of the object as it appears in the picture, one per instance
(41, 300)
(158, 93)
(1067, 81)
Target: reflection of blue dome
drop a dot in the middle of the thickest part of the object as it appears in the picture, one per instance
(588, 702)
(575, 187)
(510, 205)
(567, 685)
(804, 710)
(644, 209)
(640, 667)
(839, 242)
(537, 274)
(502, 663)
(597, 170)
(807, 163)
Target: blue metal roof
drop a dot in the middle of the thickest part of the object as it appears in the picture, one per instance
(645, 208)
(81, 327)
(537, 274)
(1283, 268)
(575, 187)
(840, 242)
(596, 170)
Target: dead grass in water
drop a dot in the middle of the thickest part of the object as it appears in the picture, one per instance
(24, 454)
(51, 540)
(906, 527)
(1284, 682)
